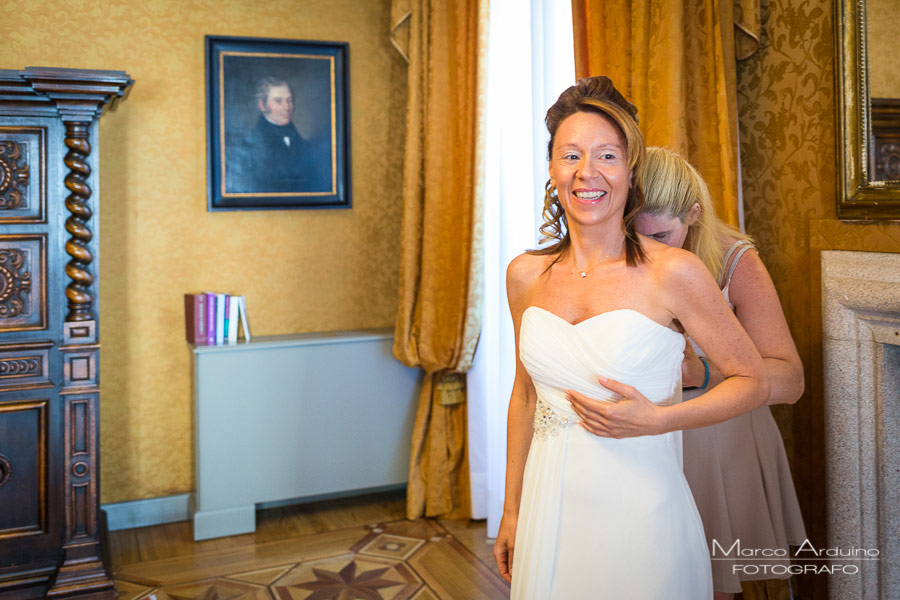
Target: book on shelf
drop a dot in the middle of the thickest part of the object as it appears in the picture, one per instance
(195, 318)
(232, 320)
(242, 315)
(220, 318)
(213, 318)
(210, 318)
(227, 320)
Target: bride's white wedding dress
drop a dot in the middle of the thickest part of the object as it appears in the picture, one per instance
(602, 518)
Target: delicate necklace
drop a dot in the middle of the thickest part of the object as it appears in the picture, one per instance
(584, 272)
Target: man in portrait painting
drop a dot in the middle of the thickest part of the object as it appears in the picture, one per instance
(273, 157)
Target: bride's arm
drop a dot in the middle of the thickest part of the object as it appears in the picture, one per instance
(519, 427)
(696, 301)
(758, 309)
(692, 297)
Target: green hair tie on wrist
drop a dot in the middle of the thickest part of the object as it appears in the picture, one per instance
(706, 376)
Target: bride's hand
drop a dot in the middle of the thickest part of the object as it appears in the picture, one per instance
(632, 415)
(504, 546)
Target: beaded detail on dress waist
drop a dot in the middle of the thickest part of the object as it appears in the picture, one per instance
(548, 422)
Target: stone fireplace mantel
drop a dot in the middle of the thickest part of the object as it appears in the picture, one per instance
(861, 345)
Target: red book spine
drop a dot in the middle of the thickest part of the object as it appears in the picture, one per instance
(195, 318)
(190, 318)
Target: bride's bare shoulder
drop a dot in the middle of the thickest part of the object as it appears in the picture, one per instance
(527, 267)
(678, 270)
(524, 271)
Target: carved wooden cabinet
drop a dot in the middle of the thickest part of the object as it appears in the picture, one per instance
(50, 520)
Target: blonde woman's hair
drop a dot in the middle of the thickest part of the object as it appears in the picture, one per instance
(671, 187)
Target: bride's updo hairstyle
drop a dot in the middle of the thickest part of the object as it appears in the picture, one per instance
(596, 95)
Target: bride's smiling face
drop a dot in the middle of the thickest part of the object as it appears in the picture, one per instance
(589, 167)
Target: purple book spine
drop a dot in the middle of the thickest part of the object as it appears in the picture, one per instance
(211, 319)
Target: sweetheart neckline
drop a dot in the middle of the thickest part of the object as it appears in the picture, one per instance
(608, 312)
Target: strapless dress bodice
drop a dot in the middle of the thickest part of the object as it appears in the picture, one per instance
(622, 344)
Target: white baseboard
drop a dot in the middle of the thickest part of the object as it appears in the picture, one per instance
(152, 511)
(170, 509)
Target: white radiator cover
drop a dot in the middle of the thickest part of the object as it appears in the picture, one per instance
(294, 416)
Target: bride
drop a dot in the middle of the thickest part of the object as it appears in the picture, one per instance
(601, 509)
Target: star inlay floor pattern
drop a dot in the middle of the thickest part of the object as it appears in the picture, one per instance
(416, 560)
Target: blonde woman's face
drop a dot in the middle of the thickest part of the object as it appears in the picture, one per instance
(671, 231)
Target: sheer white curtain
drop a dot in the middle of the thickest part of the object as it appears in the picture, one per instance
(530, 61)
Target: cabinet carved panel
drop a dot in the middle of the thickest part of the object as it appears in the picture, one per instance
(23, 468)
(13, 175)
(25, 366)
(80, 368)
(23, 287)
(23, 174)
(80, 458)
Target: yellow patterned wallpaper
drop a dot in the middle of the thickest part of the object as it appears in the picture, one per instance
(883, 21)
(308, 270)
(787, 112)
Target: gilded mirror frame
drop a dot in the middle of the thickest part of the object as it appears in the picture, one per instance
(859, 197)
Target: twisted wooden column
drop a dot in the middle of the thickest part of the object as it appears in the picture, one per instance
(82, 571)
(78, 291)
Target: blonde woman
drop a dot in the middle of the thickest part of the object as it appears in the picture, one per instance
(737, 470)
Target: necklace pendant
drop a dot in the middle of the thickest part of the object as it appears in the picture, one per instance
(583, 274)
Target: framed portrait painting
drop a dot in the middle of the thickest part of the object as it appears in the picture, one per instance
(278, 130)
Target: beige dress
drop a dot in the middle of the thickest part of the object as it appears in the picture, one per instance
(739, 475)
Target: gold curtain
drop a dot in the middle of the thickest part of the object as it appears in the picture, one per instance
(439, 312)
(675, 60)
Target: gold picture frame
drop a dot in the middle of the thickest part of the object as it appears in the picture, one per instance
(860, 196)
(278, 124)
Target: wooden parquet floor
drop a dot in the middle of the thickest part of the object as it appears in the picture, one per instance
(339, 549)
